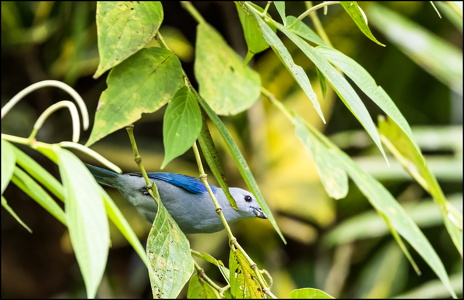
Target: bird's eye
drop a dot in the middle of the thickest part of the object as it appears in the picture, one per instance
(144, 191)
(248, 198)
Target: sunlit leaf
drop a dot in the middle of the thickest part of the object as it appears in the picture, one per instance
(413, 161)
(243, 285)
(224, 81)
(340, 85)
(181, 126)
(309, 293)
(14, 215)
(304, 31)
(280, 6)
(200, 289)
(168, 250)
(123, 28)
(296, 71)
(218, 263)
(359, 18)
(8, 163)
(333, 177)
(86, 219)
(141, 84)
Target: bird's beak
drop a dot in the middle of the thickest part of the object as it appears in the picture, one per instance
(259, 212)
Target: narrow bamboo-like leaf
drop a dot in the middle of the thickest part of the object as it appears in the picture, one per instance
(14, 215)
(214, 162)
(304, 31)
(8, 163)
(333, 177)
(243, 285)
(200, 289)
(359, 18)
(309, 293)
(224, 81)
(86, 219)
(123, 28)
(368, 85)
(123, 226)
(253, 37)
(37, 172)
(28, 185)
(168, 251)
(413, 161)
(322, 82)
(296, 71)
(340, 85)
(240, 162)
(181, 126)
(141, 84)
(432, 53)
(384, 202)
(280, 6)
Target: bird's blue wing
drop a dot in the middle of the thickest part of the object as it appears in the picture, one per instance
(188, 183)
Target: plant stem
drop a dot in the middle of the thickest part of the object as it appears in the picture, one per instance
(311, 10)
(193, 11)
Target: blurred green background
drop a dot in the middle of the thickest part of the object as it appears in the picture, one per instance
(341, 247)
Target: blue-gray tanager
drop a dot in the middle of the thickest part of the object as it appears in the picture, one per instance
(185, 197)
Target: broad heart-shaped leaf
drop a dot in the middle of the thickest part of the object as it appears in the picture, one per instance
(243, 284)
(309, 293)
(386, 205)
(168, 251)
(86, 219)
(123, 28)
(296, 71)
(200, 289)
(358, 16)
(253, 37)
(413, 161)
(368, 85)
(340, 85)
(182, 124)
(8, 163)
(224, 81)
(333, 177)
(141, 84)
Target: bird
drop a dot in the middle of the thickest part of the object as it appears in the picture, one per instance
(185, 197)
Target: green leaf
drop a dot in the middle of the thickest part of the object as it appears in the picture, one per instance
(218, 263)
(383, 202)
(181, 126)
(28, 185)
(37, 172)
(280, 6)
(296, 71)
(141, 84)
(304, 31)
(8, 163)
(168, 251)
(86, 219)
(240, 162)
(368, 85)
(359, 18)
(200, 289)
(214, 162)
(123, 28)
(341, 86)
(14, 215)
(413, 161)
(430, 52)
(253, 37)
(224, 81)
(333, 177)
(243, 284)
(309, 293)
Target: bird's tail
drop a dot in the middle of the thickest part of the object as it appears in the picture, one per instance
(103, 176)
